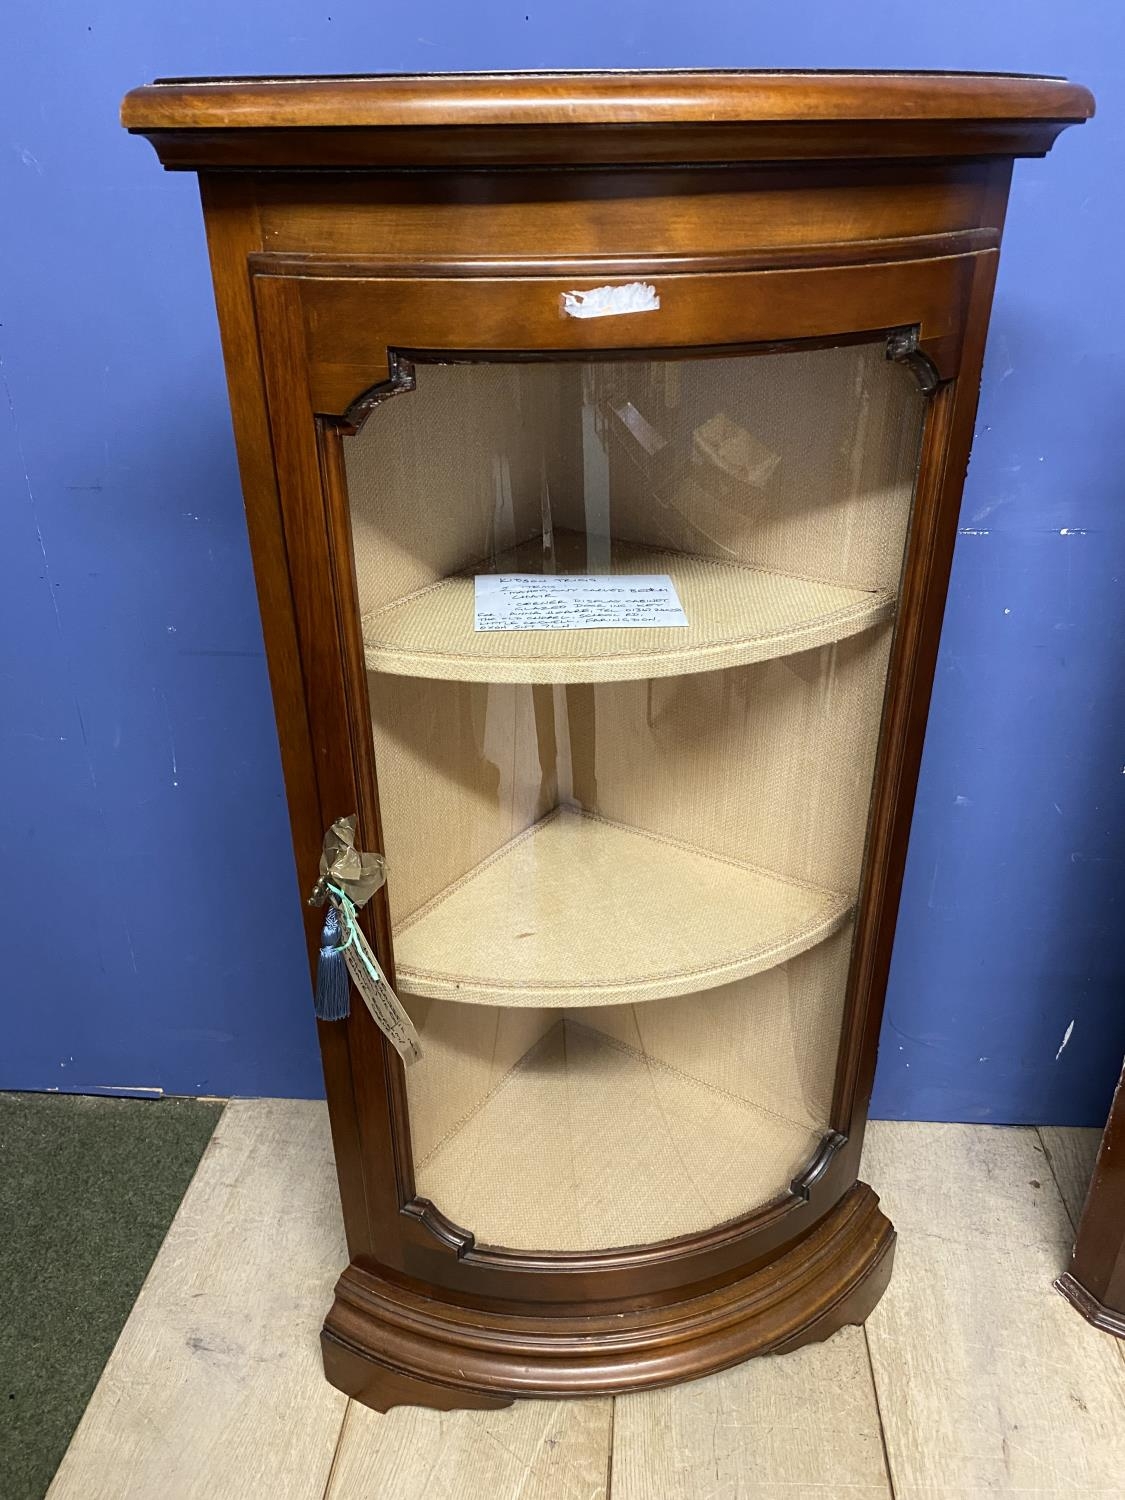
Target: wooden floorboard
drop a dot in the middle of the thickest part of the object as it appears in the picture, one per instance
(534, 1450)
(214, 1390)
(985, 1382)
(988, 1382)
(1071, 1152)
(801, 1426)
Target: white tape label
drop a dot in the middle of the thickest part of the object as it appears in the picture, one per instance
(611, 301)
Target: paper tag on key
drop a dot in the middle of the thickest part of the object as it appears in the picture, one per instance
(386, 1008)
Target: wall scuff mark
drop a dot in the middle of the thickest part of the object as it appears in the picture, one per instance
(1065, 1040)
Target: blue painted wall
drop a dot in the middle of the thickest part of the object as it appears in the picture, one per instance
(150, 933)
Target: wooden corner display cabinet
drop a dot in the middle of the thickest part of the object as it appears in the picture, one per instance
(616, 627)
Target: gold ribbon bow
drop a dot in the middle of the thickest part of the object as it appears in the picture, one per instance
(357, 874)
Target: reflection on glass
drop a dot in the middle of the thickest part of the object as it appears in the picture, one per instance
(624, 861)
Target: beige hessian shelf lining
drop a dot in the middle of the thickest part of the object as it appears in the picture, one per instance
(580, 911)
(530, 1168)
(736, 614)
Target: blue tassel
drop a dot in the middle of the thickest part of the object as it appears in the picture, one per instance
(332, 1001)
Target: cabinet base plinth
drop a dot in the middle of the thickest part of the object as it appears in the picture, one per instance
(386, 1345)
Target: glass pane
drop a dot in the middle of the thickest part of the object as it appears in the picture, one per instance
(624, 860)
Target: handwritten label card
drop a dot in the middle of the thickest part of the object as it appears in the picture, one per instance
(537, 601)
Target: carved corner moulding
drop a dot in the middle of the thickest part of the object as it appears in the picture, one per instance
(402, 381)
(903, 348)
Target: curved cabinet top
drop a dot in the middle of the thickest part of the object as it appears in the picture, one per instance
(519, 119)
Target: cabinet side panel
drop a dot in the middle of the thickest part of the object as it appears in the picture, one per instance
(946, 444)
(234, 234)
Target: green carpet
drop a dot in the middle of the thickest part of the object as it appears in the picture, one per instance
(88, 1188)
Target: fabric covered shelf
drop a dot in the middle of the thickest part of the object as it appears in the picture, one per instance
(581, 911)
(737, 614)
(529, 1167)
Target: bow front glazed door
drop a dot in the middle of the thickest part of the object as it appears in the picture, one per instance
(625, 856)
(617, 597)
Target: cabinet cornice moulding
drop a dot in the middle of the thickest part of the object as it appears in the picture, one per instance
(597, 119)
